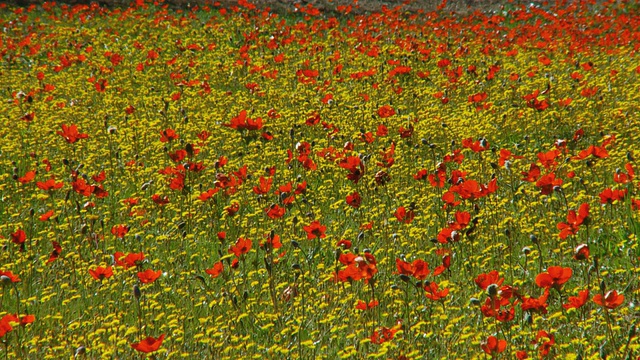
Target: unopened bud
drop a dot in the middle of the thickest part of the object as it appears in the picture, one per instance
(528, 318)
(80, 351)
(492, 290)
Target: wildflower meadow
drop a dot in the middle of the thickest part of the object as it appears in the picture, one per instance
(227, 182)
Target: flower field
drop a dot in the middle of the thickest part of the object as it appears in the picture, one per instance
(227, 182)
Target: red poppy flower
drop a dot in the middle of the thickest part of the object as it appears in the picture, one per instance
(554, 277)
(242, 246)
(462, 219)
(355, 167)
(475, 146)
(148, 276)
(27, 178)
(476, 98)
(596, 151)
(405, 132)
(538, 305)
(102, 176)
(313, 119)
(623, 178)
(574, 221)
(484, 280)
(272, 242)
(532, 175)
(387, 157)
(315, 230)
(208, 194)
(581, 252)
(13, 278)
(492, 308)
(216, 270)
(403, 215)
(446, 263)
(610, 300)
(232, 209)
(120, 231)
(71, 134)
(382, 130)
(421, 174)
(609, 196)
(235, 263)
(354, 200)
(5, 324)
(168, 135)
(57, 250)
(149, 344)
(81, 187)
(433, 293)
(576, 302)
(264, 186)
(493, 346)
(101, 85)
(350, 273)
(544, 340)
(160, 200)
(50, 184)
(548, 159)
(418, 268)
(439, 179)
(27, 319)
(547, 183)
(19, 237)
(521, 355)
(364, 306)
(130, 260)
(385, 334)
(301, 188)
(344, 243)
(178, 155)
(275, 211)
(100, 273)
(386, 111)
(507, 155)
(242, 122)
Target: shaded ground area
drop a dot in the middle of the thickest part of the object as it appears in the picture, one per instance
(362, 6)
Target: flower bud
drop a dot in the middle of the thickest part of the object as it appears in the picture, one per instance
(80, 351)
(492, 290)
